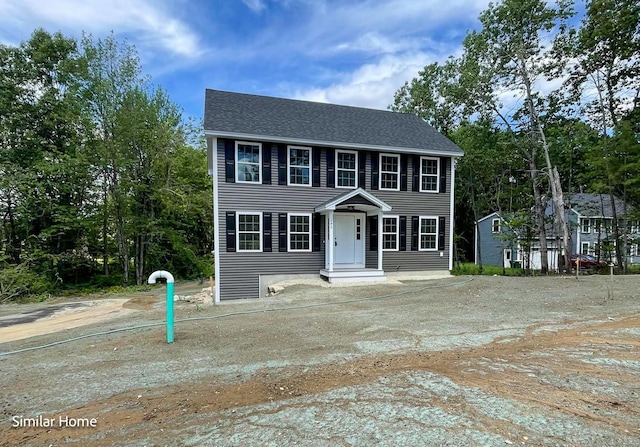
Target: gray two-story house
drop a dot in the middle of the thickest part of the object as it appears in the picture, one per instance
(311, 189)
(590, 219)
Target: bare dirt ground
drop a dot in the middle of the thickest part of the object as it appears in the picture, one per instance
(492, 361)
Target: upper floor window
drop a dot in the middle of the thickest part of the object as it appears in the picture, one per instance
(249, 232)
(389, 172)
(586, 225)
(299, 168)
(429, 174)
(495, 226)
(390, 233)
(299, 232)
(428, 233)
(248, 162)
(346, 168)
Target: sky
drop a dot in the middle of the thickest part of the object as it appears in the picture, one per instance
(354, 53)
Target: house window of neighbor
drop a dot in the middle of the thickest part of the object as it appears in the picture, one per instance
(428, 233)
(389, 172)
(299, 232)
(585, 248)
(248, 162)
(299, 165)
(495, 226)
(586, 226)
(346, 168)
(390, 233)
(249, 232)
(429, 173)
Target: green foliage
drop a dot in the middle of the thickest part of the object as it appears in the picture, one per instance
(469, 268)
(98, 173)
(20, 282)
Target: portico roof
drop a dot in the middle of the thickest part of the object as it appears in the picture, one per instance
(367, 201)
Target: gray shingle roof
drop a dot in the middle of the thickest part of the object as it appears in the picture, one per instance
(595, 205)
(239, 113)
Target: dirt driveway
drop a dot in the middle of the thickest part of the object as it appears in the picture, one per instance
(489, 362)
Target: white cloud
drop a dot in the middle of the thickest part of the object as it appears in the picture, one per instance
(372, 85)
(255, 5)
(150, 20)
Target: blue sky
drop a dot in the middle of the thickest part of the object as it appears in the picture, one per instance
(345, 52)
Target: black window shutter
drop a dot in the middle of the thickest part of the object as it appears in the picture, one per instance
(373, 233)
(415, 224)
(416, 173)
(443, 173)
(362, 166)
(231, 231)
(266, 164)
(282, 232)
(402, 246)
(282, 164)
(266, 232)
(404, 161)
(230, 161)
(441, 230)
(315, 180)
(375, 170)
(331, 168)
(315, 232)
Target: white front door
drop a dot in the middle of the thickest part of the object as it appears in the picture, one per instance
(349, 232)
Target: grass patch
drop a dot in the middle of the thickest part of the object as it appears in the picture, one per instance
(469, 268)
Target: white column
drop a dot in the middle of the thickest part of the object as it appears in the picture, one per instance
(331, 242)
(380, 240)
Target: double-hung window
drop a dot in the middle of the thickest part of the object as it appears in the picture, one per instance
(428, 233)
(248, 162)
(390, 233)
(346, 168)
(390, 172)
(299, 232)
(299, 165)
(585, 248)
(249, 231)
(495, 226)
(586, 225)
(429, 174)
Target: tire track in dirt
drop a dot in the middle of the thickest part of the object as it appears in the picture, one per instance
(499, 368)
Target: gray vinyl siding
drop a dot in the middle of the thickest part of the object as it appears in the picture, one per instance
(490, 247)
(239, 272)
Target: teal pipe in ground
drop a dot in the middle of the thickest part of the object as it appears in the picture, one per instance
(170, 318)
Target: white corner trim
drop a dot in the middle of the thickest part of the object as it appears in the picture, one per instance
(216, 219)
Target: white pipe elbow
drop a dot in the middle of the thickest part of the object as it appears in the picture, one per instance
(160, 274)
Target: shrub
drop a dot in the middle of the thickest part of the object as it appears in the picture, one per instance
(18, 282)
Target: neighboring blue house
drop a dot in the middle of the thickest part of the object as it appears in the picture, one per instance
(310, 189)
(590, 219)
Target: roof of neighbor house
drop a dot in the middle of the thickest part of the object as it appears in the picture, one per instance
(594, 205)
(229, 113)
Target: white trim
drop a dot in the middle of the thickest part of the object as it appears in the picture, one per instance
(380, 172)
(397, 233)
(216, 219)
(310, 234)
(260, 231)
(307, 148)
(336, 144)
(495, 213)
(588, 221)
(380, 251)
(330, 241)
(346, 196)
(420, 218)
(451, 212)
(582, 244)
(437, 175)
(355, 170)
(493, 222)
(235, 155)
